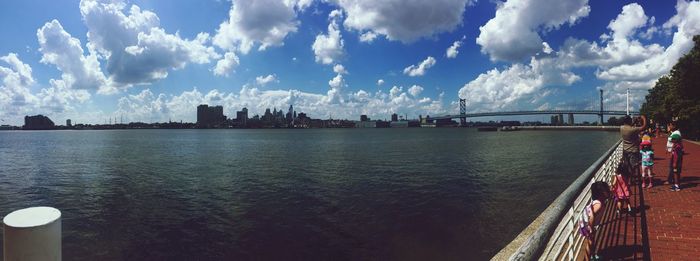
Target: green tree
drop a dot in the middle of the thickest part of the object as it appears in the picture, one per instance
(677, 95)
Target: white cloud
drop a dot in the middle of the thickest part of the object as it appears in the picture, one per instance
(15, 81)
(136, 49)
(512, 34)
(264, 80)
(546, 48)
(226, 65)
(419, 70)
(452, 50)
(339, 69)
(263, 22)
(660, 61)
(337, 84)
(402, 20)
(59, 48)
(415, 90)
(328, 48)
(368, 37)
(17, 100)
(380, 82)
(518, 86)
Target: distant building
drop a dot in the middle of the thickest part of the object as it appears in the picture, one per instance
(68, 124)
(38, 122)
(242, 117)
(399, 124)
(208, 117)
(366, 124)
(394, 117)
(364, 118)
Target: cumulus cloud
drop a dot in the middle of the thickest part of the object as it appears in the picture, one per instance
(264, 80)
(15, 81)
(79, 71)
(136, 49)
(516, 86)
(368, 37)
(17, 100)
(419, 70)
(226, 65)
(513, 34)
(380, 82)
(339, 69)
(452, 50)
(258, 22)
(660, 61)
(328, 48)
(415, 90)
(619, 58)
(402, 20)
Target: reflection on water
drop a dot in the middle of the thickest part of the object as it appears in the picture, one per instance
(380, 194)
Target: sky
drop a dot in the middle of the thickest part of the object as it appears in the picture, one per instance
(154, 61)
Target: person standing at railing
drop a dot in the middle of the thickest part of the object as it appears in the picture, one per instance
(621, 190)
(630, 145)
(591, 215)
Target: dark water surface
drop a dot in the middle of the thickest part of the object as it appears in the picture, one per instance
(328, 194)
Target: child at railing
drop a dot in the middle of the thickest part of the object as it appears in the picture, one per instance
(591, 215)
(620, 189)
(647, 163)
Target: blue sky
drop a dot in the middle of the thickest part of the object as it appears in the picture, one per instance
(156, 60)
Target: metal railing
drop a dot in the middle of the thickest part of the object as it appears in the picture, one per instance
(554, 235)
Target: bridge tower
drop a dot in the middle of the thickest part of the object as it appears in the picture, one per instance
(600, 115)
(463, 112)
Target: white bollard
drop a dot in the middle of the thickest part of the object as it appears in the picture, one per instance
(33, 234)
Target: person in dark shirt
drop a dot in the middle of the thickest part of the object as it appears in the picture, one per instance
(676, 161)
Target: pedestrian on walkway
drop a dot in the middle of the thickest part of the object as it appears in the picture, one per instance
(621, 190)
(647, 163)
(591, 215)
(676, 162)
(671, 128)
(630, 145)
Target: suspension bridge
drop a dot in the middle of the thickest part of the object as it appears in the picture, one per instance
(463, 115)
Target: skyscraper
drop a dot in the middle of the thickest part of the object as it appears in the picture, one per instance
(208, 117)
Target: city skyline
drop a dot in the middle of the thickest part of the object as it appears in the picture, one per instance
(154, 61)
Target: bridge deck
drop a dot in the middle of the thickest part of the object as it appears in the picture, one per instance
(667, 227)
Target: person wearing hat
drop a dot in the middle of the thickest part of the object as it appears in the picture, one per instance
(630, 145)
(676, 162)
(647, 163)
(672, 128)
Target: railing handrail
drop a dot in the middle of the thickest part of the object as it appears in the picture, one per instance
(533, 240)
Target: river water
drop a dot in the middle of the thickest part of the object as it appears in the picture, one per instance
(317, 194)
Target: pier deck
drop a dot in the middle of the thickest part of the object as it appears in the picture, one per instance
(667, 225)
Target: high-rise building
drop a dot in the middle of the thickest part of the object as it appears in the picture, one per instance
(68, 123)
(364, 118)
(38, 122)
(394, 117)
(208, 117)
(242, 116)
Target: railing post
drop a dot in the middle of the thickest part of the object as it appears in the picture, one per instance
(32, 234)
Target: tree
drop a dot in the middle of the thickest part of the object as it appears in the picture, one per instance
(677, 95)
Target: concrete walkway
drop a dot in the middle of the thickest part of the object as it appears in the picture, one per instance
(665, 224)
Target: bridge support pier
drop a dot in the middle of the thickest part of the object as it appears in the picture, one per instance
(463, 112)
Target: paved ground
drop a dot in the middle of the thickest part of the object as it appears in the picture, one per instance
(665, 224)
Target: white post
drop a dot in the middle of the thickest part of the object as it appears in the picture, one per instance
(32, 234)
